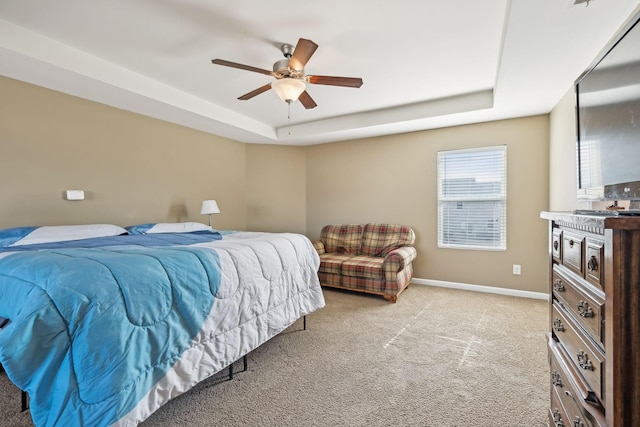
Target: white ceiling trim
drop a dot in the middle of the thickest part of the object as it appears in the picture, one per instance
(391, 116)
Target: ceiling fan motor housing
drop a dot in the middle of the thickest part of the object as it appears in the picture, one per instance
(281, 67)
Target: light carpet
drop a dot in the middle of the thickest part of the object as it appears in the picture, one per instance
(438, 357)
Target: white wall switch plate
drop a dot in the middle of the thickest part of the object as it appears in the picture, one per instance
(75, 195)
(517, 270)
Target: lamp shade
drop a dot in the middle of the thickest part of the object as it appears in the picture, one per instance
(288, 89)
(209, 207)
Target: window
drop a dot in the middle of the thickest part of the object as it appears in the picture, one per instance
(472, 198)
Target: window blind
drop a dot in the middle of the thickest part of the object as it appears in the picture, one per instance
(472, 198)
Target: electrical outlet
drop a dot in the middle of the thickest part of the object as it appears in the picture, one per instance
(517, 270)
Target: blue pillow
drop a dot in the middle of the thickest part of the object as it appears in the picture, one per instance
(9, 236)
(140, 228)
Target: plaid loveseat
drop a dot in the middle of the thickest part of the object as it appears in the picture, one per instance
(372, 258)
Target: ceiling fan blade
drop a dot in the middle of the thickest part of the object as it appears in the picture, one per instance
(255, 92)
(241, 66)
(301, 54)
(335, 81)
(306, 100)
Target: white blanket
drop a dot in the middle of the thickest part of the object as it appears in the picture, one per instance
(268, 282)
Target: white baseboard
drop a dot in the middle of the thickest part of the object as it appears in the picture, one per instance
(479, 288)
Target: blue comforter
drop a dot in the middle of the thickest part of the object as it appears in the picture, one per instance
(92, 329)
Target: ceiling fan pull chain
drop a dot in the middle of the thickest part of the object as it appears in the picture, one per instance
(289, 115)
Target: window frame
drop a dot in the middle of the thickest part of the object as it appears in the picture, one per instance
(500, 197)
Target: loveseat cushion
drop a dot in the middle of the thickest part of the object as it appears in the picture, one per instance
(364, 266)
(380, 239)
(332, 262)
(342, 238)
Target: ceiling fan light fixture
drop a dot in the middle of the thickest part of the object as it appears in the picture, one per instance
(288, 89)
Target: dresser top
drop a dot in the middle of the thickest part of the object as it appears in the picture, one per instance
(621, 222)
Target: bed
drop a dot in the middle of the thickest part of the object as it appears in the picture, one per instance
(103, 325)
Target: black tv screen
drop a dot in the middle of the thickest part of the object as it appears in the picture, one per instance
(608, 121)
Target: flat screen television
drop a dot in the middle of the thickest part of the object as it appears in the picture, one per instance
(608, 121)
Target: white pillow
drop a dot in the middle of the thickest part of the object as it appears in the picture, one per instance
(62, 233)
(177, 227)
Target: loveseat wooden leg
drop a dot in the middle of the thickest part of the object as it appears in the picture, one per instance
(391, 298)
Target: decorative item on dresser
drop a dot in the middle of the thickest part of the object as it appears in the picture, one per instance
(594, 342)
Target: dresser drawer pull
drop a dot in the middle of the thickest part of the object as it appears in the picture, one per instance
(557, 325)
(557, 418)
(555, 379)
(556, 245)
(584, 310)
(584, 362)
(592, 264)
(558, 286)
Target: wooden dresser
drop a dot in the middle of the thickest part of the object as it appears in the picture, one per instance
(594, 338)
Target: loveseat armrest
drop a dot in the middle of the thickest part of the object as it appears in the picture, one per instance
(399, 258)
(318, 245)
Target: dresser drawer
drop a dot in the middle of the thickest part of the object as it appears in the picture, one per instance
(571, 392)
(585, 305)
(594, 260)
(557, 416)
(568, 414)
(587, 359)
(572, 252)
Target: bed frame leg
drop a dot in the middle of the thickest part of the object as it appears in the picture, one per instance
(25, 401)
(245, 361)
(244, 368)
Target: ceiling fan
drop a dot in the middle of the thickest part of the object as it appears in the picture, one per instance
(290, 84)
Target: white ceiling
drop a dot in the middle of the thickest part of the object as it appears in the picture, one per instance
(425, 63)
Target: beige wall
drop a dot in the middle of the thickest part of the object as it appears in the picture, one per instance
(562, 156)
(132, 168)
(137, 169)
(276, 188)
(393, 179)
